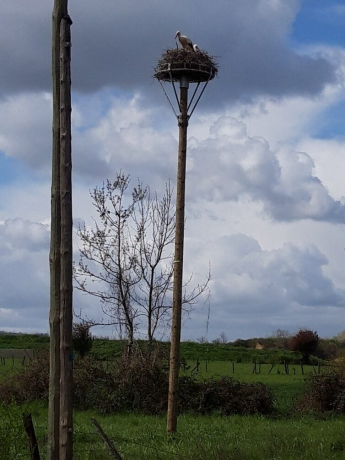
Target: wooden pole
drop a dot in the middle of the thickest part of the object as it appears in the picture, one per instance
(178, 261)
(59, 10)
(30, 431)
(66, 279)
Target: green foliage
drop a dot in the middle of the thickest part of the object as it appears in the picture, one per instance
(13, 440)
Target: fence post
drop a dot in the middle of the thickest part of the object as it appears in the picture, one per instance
(30, 431)
(110, 445)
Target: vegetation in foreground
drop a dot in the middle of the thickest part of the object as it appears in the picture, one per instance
(199, 437)
(282, 435)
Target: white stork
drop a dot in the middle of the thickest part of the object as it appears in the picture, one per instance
(186, 42)
(196, 48)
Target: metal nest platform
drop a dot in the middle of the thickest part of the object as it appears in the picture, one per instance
(197, 66)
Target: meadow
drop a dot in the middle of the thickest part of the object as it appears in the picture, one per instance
(198, 438)
(284, 435)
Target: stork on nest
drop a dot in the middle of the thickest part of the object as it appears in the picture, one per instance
(197, 65)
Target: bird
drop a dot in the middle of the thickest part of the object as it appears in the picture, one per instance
(185, 41)
(196, 48)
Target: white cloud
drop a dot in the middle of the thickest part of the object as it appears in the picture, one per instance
(229, 164)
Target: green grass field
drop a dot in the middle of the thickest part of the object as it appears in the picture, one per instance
(9, 367)
(198, 438)
(283, 436)
(109, 349)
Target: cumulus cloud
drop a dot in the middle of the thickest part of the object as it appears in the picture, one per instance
(249, 37)
(225, 164)
(230, 163)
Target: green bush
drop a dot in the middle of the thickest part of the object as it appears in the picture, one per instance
(325, 392)
(138, 383)
(227, 396)
(30, 384)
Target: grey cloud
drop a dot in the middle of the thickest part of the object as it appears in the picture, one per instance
(256, 291)
(247, 279)
(117, 44)
(25, 129)
(24, 275)
(19, 234)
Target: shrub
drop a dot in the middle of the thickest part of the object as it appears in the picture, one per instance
(30, 384)
(325, 392)
(82, 339)
(227, 396)
(138, 383)
(141, 381)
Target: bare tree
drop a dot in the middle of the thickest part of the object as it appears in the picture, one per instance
(108, 248)
(126, 259)
(154, 229)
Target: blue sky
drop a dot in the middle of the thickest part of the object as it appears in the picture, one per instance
(319, 21)
(265, 189)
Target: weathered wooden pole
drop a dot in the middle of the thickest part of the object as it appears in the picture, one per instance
(178, 260)
(59, 11)
(186, 67)
(66, 262)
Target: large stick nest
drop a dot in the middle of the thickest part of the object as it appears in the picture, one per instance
(197, 66)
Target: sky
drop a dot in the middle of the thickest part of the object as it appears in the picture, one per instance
(265, 191)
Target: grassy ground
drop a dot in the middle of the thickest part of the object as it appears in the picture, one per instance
(282, 437)
(109, 349)
(9, 367)
(198, 438)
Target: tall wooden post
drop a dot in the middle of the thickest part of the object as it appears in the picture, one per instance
(59, 11)
(178, 260)
(60, 428)
(66, 262)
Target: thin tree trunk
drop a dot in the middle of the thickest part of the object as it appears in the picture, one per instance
(66, 313)
(178, 263)
(60, 10)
